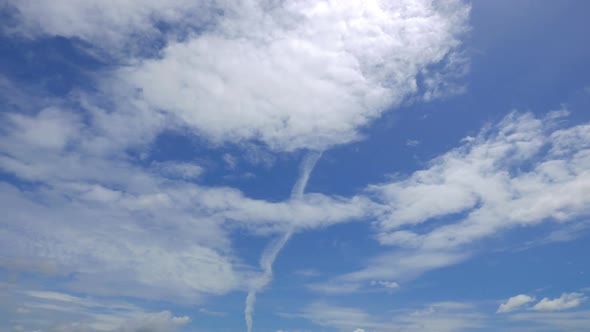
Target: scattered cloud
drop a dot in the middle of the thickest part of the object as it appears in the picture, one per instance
(443, 316)
(112, 27)
(308, 273)
(335, 287)
(514, 303)
(565, 301)
(60, 311)
(183, 170)
(230, 161)
(384, 283)
(400, 265)
(552, 321)
(519, 172)
(310, 84)
(212, 313)
(264, 78)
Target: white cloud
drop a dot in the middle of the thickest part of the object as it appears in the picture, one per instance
(335, 287)
(520, 172)
(446, 82)
(59, 311)
(183, 170)
(163, 321)
(212, 312)
(385, 283)
(343, 318)
(403, 265)
(298, 74)
(230, 161)
(487, 179)
(110, 25)
(515, 302)
(444, 317)
(553, 321)
(308, 273)
(290, 75)
(147, 214)
(50, 129)
(565, 301)
(294, 75)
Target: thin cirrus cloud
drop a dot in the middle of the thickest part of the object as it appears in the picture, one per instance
(484, 180)
(73, 313)
(442, 316)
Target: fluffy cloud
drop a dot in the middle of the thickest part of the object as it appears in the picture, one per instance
(565, 301)
(297, 74)
(290, 74)
(514, 303)
(110, 25)
(521, 172)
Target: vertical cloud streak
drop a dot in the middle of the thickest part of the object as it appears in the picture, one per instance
(270, 253)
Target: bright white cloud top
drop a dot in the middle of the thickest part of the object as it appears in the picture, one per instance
(149, 154)
(515, 302)
(298, 74)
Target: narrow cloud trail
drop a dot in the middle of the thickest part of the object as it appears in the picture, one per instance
(274, 248)
(307, 166)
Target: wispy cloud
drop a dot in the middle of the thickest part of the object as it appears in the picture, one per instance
(59, 311)
(270, 253)
(521, 171)
(212, 312)
(443, 316)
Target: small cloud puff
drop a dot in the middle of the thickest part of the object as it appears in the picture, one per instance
(385, 283)
(566, 301)
(514, 303)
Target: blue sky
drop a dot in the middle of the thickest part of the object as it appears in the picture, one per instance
(291, 166)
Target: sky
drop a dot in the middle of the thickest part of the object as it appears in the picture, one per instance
(294, 166)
